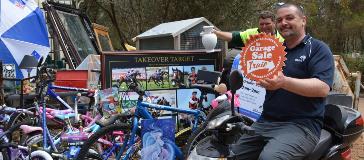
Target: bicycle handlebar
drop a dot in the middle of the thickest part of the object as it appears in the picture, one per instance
(112, 119)
(208, 88)
(7, 109)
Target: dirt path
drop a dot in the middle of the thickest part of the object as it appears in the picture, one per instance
(358, 147)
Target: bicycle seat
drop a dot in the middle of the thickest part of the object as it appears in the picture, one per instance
(322, 146)
(28, 129)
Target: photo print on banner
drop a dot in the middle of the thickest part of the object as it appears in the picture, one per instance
(157, 78)
(127, 78)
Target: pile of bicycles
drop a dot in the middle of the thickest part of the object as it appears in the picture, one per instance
(44, 131)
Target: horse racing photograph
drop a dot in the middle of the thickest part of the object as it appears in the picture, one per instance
(192, 71)
(176, 78)
(157, 78)
(129, 78)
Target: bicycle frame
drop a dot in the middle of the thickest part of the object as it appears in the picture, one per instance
(53, 94)
(141, 111)
(46, 134)
(144, 113)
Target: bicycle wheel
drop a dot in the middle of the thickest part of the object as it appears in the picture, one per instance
(108, 141)
(182, 136)
(37, 141)
(193, 140)
(17, 118)
(40, 155)
(93, 156)
(15, 134)
(21, 154)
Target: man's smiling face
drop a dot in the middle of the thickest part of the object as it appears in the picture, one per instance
(290, 22)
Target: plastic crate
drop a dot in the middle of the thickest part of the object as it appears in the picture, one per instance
(71, 78)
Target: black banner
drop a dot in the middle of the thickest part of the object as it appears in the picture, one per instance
(163, 75)
(155, 59)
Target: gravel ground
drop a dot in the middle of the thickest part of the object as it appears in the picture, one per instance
(357, 152)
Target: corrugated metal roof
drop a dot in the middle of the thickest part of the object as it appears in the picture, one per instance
(172, 28)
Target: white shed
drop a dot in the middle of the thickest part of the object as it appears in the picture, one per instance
(177, 35)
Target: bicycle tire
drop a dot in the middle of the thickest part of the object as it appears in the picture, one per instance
(195, 137)
(17, 118)
(100, 134)
(93, 156)
(182, 136)
(38, 139)
(40, 155)
(15, 131)
(201, 132)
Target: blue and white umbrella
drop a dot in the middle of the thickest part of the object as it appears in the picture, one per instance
(23, 31)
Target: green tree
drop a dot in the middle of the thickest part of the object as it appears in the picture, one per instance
(339, 23)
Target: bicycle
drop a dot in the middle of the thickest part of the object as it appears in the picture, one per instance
(129, 144)
(13, 150)
(63, 145)
(45, 88)
(70, 137)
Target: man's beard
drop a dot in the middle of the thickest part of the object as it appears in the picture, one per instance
(289, 33)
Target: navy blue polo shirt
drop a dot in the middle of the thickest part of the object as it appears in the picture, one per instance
(309, 59)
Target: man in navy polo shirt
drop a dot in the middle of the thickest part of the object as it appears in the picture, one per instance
(293, 111)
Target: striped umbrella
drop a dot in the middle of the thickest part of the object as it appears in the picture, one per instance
(23, 31)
